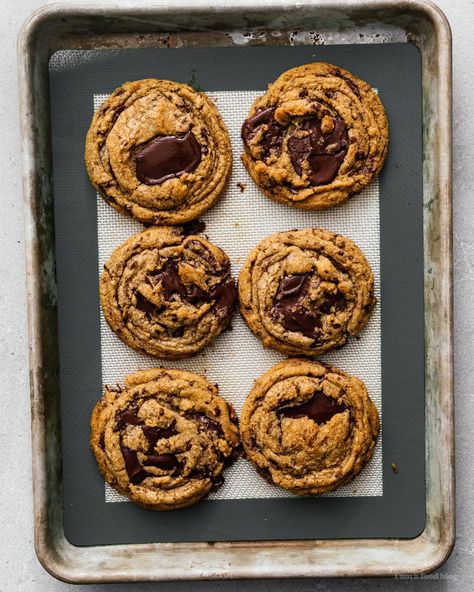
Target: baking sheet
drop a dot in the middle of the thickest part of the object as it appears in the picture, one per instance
(75, 77)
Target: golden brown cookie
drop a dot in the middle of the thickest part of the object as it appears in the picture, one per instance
(318, 135)
(159, 151)
(166, 293)
(303, 292)
(164, 439)
(307, 427)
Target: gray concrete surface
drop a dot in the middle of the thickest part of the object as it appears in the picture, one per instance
(19, 569)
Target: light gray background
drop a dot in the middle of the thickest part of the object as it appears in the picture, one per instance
(19, 569)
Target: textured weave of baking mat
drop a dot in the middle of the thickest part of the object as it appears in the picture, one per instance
(246, 506)
(237, 358)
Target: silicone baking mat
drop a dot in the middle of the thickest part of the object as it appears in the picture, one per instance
(234, 360)
(385, 220)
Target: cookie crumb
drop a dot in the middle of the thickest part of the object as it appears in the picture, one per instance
(394, 467)
(241, 186)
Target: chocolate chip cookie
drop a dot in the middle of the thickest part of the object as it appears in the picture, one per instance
(303, 292)
(307, 427)
(159, 151)
(166, 293)
(164, 439)
(318, 135)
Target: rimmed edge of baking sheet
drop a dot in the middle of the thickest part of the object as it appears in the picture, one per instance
(57, 26)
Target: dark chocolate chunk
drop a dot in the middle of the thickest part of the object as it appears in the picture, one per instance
(167, 157)
(295, 317)
(199, 249)
(336, 300)
(320, 408)
(324, 153)
(144, 305)
(272, 137)
(153, 434)
(217, 481)
(251, 124)
(170, 281)
(299, 149)
(209, 423)
(194, 227)
(293, 287)
(179, 332)
(225, 295)
(135, 470)
(167, 462)
(196, 295)
(302, 320)
(324, 167)
(172, 284)
(335, 141)
(198, 474)
(128, 417)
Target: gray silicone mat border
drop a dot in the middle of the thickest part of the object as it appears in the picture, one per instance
(400, 512)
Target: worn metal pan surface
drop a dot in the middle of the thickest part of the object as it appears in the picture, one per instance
(157, 24)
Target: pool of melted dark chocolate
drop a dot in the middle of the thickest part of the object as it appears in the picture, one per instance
(320, 408)
(167, 157)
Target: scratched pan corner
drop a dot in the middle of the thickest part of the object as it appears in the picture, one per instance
(195, 24)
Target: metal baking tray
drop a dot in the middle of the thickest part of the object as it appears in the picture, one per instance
(196, 24)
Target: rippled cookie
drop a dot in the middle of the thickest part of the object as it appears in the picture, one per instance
(307, 427)
(318, 135)
(159, 151)
(167, 294)
(164, 439)
(303, 292)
